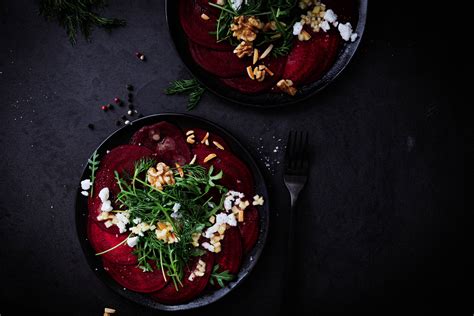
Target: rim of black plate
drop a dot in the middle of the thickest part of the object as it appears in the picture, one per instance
(263, 100)
(122, 136)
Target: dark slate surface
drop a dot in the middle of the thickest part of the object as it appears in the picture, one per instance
(379, 221)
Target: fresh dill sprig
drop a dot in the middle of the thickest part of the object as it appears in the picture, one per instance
(77, 16)
(152, 206)
(220, 277)
(93, 166)
(187, 86)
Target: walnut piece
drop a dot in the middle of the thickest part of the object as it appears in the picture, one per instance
(286, 86)
(244, 49)
(246, 28)
(160, 176)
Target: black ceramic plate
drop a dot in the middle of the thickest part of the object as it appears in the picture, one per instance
(122, 136)
(264, 99)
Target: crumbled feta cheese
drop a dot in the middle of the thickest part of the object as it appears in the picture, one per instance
(221, 218)
(137, 220)
(106, 206)
(354, 36)
(121, 227)
(132, 241)
(208, 246)
(85, 193)
(86, 184)
(330, 16)
(228, 203)
(236, 4)
(122, 217)
(231, 220)
(335, 24)
(324, 25)
(345, 30)
(104, 194)
(297, 28)
(176, 207)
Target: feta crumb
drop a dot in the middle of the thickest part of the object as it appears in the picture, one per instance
(231, 220)
(208, 246)
(85, 193)
(106, 206)
(324, 25)
(121, 227)
(354, 36)
(330, 16)
(137, 220)
(297, 28)
(176, 207)
(104, 194)
(86, 184)
(132, 241)
(345, 30)
(236, 4)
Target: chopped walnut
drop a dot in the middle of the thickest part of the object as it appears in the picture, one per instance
(246, 28)
(244, 49)
(270, 26)
(160, 176)
(286, 86)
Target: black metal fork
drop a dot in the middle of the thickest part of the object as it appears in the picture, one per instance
(295, 177)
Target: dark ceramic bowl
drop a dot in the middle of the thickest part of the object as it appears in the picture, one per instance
(122, 136)
(269, 99)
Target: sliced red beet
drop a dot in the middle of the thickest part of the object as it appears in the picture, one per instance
(190, 289)
(249, 228)
(308, 60)
(199, 135)
(121, 159)
(102, 240)
(246, 85)
(224, 64)
(236, 176)
(231, 254)
(196, 28)
(133, 278)
(166, 140)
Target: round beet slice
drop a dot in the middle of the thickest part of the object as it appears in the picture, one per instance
(308, 60)
(231, 254)
(196, 28)
(223, 64)
(190, 289)
(133, 278)
(249, 228)
(236, 176)
(121, 159)
(102, 240)
(166, 140)
(246, 85)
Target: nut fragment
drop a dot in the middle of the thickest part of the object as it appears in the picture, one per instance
(250, 72)
(109, 310)
(180, 170)
(246, 28)
(189, 132)
(257, 200)
(240, 216)
(267, 51)
(209, 157)
(190, 139)
(193, 160)
(255, 56)
(204, 17)
(244, 49)
(269, 71)
(304, 36)
(270, 26)
(204, 140)
(286, 86)
(218, 145)
(160, 176)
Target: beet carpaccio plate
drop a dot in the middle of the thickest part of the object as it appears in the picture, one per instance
(266, 52)
(172, 212)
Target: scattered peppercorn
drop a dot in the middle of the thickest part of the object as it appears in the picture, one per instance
(140, 56)
(90, 125)
(140, 115)
(130, 106)
(129, 87)
(110, 106)
(117, 100)
(124, 117)
(130, 112)
(118, 123)
(127, 122)
(104, 108)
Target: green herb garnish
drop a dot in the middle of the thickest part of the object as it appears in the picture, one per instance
(152, 206)
(77, 16)
(187, 86)
(220, 277)
(93, 166)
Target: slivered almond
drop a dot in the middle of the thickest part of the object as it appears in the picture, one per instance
(180, 170)
(204, 16)
(262, 77)
(267, 51)
(109, 310)
(240, 216)
(261, 67)
(190, 139)
(189, 132)
(205, 138)
(218, 145)
(250, 72)
(269, 71)
(209, 157)
(193, 160)
(255, 56)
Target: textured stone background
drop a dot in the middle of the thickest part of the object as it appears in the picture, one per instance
(379, 221)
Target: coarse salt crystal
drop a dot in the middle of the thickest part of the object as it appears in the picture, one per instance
(104, 194)
(324, 25)
(330, 16)
(132, 241)
(297, 28)
(345, 30)
(85, 193)
(86, 184)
